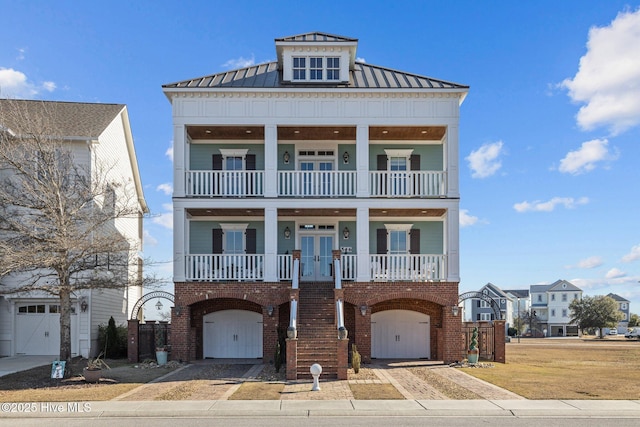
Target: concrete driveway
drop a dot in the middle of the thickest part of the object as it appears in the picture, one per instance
(9, 365)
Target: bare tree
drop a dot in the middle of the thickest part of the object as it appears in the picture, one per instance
(60, 218)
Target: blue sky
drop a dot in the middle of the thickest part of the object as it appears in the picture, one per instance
(550, 130)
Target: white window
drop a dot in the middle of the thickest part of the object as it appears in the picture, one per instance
(485, 316)
(316, 68)
(553, 297)
(398, 238)
(564, 297)
(564, 312)
(484, 304)
(233, 242)
(623, 306)
(553, 312)
(539, 298)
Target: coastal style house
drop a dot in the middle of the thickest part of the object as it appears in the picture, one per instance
(482, 311)
(623, 307)
(521, 304)
(550, 306)
(316, 197)
(96, 135)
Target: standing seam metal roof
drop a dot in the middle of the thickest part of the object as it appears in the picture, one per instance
(267, 75)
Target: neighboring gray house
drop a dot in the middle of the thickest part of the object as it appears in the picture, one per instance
(550, 304)
(623, 307)
(482, 310)
(520, 302)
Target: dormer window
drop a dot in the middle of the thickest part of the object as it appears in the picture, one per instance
(316, 68)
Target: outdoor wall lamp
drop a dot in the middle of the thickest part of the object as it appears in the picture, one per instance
(270, 310)
(454, 310)
(363, 310)
(178, 310)
(286, 157)
(287, 233)
(345, 157)
(345, 233)
(83, 305)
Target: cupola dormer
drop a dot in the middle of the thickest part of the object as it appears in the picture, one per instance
(316, 58)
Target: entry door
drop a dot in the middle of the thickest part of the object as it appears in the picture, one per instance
(316, 257)
(316, 183)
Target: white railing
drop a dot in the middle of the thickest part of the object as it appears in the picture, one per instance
(316, 183)
(339, 314)
(224, 267)
(415, 268)
(407, 184)
(348, 265)
(285, 263)
(224, 183)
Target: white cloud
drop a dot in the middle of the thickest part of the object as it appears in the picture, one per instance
(15, 84)
(485, 161)
(166, 188)
(21, 52)
(591, 262)
(165, 219)
(360, 59)
(169, 152)
(149, 240)
(550, 205)
(608, 79)
(585, 158)
(466, 219)
(633, 255)
(614, 273)
(240, 62)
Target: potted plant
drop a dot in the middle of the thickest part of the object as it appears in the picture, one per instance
(93, 371)
(161, 348)
(473, 352)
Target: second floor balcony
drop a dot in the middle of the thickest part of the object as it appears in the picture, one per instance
(208, 183)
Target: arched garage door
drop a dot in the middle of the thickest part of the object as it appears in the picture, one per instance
(400, 334)
(233, 334)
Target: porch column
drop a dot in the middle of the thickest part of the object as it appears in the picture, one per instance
(452, 244)
(451, 161)
(362, 245)
(270, 245)
(362, 161)
(270, 161)
(180, 159)
(180, 230)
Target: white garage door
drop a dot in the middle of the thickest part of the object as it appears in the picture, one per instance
(38, 329)
(233, 334)
(400, 334)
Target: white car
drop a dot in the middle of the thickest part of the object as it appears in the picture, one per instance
(613, 332)
(633, 333)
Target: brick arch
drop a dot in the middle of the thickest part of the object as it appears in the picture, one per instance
(407, 295)
(222, 294)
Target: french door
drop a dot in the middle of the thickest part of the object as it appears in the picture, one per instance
(316, 257)
(316, 177)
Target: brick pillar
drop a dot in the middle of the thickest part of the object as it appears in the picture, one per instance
(269, 334)
(342, 350)
(132, 342)
(292, 358)
(181, 333)
(362, 336)
(499, 351)
(452, 335)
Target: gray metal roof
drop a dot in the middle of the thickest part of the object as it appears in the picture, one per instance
(557, 286)
(63, 119)
(267, 75)
(617, 298)
(518, 293)
(316, 37)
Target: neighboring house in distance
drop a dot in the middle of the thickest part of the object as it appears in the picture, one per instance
(520, 302)
(96, 134)
(321, 163)
(623, 307)
(550, 304)
(482, 310)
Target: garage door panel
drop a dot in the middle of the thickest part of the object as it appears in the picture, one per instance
(400, 334)
(232, 334)
(39, 333)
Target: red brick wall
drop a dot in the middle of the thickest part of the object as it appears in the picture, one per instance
(432, 298)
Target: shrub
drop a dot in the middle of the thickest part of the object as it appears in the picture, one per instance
(113, 340)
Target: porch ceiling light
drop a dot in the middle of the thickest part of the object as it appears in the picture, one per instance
(287, 233)
(345, 157)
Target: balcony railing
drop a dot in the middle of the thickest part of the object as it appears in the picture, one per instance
(415, 268)
(407, 184)
(225, 183)
(348, 266)
(224, 267)
(317, 183)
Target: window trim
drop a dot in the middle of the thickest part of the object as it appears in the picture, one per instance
(309, 73)
(234, 227)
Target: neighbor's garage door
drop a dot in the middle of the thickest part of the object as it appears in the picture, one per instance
(400, 334)
(232, 334)
(38, 330)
